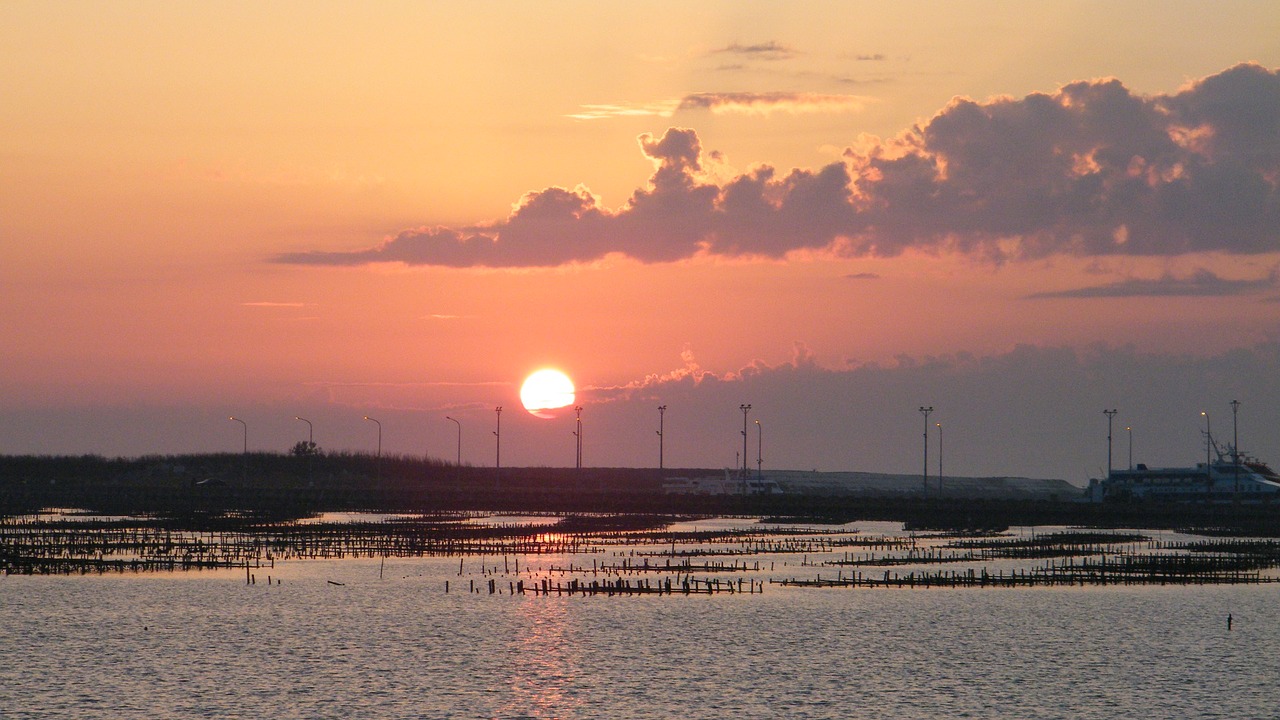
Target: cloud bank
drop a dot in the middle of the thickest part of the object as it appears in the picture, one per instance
(1091, 169)
(1202, 283)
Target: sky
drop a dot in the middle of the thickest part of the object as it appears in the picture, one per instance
(1018, 214)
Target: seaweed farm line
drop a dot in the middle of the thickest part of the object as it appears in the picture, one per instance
(620, 556)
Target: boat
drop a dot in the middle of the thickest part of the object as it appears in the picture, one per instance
(1232, 478)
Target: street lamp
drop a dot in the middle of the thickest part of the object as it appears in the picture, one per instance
(1208, 445)
(379, 462)
(375, 422)
(311, 443)
(759, 451)
(662, 409)
(1110, 414)
(939, 426)
(455, 422)
(745, 409)
(925, 411)
(311, 433)
(244, 455)
(497, 452)
(246, 433)
(1235, 444)
(1130, 431)
(578, 435)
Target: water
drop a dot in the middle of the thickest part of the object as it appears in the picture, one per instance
(208, 645)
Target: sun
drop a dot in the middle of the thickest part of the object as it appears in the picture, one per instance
(546, 391)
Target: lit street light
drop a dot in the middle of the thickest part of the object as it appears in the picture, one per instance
(497, 452)
(1110, 414)
(375, 422)
(1208, 446)
(939, 426)
(662, 409)
(578, 435)
(246, 433)
(244, 455)
(745, 409)
(311, 437)
(455, 422)
(366, 417)
(1130, 431)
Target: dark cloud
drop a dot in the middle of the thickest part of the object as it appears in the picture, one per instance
(770, 101)
(1091, 169)
(771, 50)
(1202, 283)
(862, 276)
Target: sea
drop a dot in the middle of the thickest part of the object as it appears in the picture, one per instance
(372, 637)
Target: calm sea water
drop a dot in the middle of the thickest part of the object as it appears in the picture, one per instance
(208, 645)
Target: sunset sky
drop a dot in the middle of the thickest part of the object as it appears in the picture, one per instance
(1019, 214)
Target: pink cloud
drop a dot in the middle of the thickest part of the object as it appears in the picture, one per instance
(1091, 169)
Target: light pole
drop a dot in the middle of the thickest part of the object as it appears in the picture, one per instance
(745, 409)
(577, 434)
(379, 462)
(311, 443)
(939, 426)
(662, 409)
(1208, 445)
(246, 434)
(759, 451)
(311, 433)
(1235, 444)
(1130, 431)
(925, 411)
(455, 422)
(497, 449)
(375, 422)
(244, 454)
(1110, 414)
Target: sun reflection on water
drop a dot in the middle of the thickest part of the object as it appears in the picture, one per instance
(544, 670)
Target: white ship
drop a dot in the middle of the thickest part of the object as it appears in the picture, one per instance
(1231, 478)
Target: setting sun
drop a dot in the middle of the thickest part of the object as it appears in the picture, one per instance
(546, 391)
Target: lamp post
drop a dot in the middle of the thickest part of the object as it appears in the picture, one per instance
(455, 422)
(759, 451)
(311, 433)
(1208, 445)
(925, 411)
(745, 409)
(244, 454)
(939, 426)
(497, 450)
(1110, 414)
(662, 409)
(577, 434)
(1235, 444)
(246, 433)
(311, 443)
(375, 422)
(1130, 431)
(379, 462)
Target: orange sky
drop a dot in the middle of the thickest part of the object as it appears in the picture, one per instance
(191, 197)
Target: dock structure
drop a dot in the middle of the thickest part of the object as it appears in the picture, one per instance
(573, 559)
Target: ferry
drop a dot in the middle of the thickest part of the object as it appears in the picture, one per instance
(1231, 478)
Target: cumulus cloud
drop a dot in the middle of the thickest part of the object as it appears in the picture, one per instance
(1202, 283)
(1091, 169)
